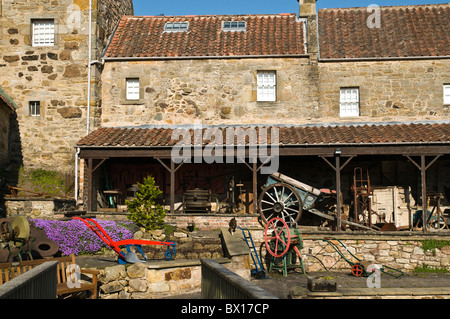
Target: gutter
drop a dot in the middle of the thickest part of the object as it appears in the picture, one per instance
(76, 173)
(440, 57)
(206, 57)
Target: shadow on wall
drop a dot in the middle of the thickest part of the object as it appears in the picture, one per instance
(9, 170)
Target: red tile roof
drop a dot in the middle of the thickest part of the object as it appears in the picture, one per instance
(301, 135)
(405, 31)
(280, 34)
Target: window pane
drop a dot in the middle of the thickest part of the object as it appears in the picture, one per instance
(132, 89)
(447, 94)
(43, 33)
(266, 86)
(35, 108)
(349, 102)
(176, 26)
(234, 26)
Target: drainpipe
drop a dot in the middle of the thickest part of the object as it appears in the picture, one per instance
(76, 174)
(89, 70)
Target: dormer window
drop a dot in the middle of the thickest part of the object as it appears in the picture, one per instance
(234, 26)
(176, 26)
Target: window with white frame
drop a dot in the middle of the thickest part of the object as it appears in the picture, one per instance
(267, 86)
(133, 89)
(43, 32)
(447, 94)
(234, 26)
(176, 26)
(34, 108)
(349, 102)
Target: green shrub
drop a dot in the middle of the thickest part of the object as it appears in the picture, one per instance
(143, 208)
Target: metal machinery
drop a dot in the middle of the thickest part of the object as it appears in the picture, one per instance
(130, 256)
(197, 200)
(283, 242)
(287, 198)
(16, 235)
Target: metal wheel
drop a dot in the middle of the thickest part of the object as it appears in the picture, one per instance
(280, 200)
(357, 270)
(438, 223)
(277, 237)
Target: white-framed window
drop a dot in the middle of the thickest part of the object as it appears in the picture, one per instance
(34, 108)
(234, 26)
(133, 89)
(43, 32)
(176, 26)
(267, 86)
(349, 102)
(447, 94)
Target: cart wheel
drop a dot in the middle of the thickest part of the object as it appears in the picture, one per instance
(280, 235)
(280, 200)
(357, 270)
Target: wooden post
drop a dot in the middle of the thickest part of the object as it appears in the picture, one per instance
(338, 191)
(255, 187)
(90, 188)
(172, 186)
(424, 192)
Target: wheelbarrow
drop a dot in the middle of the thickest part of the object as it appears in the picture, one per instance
(359, 268)
(130, 256)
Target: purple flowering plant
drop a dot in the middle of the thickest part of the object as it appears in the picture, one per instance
(74, 237)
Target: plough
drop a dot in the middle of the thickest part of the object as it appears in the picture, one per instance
(130, 256)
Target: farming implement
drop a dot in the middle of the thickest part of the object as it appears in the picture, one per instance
(287, 198)
(130, 256)
(360, 268)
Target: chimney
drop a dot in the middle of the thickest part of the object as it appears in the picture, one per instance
(307, 8)
(309, 15)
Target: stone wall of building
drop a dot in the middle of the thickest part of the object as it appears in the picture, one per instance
(212, 91)
(397, 90)
(5, 117)
(56, 76)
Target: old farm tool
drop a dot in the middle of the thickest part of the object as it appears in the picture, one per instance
(130, 256)
(287, 198)
(283, 242)
(16, 234)
(359, 267)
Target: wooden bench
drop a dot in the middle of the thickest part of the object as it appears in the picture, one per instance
(13, 269)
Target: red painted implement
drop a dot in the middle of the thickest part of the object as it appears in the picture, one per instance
(130, 256)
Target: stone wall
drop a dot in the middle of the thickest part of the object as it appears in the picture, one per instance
(213, 91)
(147, 281)
(401, 90)
(45, 208)
(212, 221)
(5, 116)
(56, 76)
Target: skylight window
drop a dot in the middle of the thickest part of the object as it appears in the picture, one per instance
(176, 26)
(234, 26)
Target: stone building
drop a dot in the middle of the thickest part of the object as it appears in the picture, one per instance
(44, 63)
(370, 85)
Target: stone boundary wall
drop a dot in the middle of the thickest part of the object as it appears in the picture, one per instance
(159, 280)
(212, 221)
(36, 207)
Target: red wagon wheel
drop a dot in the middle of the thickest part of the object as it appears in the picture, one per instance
(357, 270)
(281, 235)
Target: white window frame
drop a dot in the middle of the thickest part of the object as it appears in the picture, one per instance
(266, 86)
(34, 108)
(234, 26)
(133, 89)
(447, 94)
(43, 32)
(176, 26)
(349, 102)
